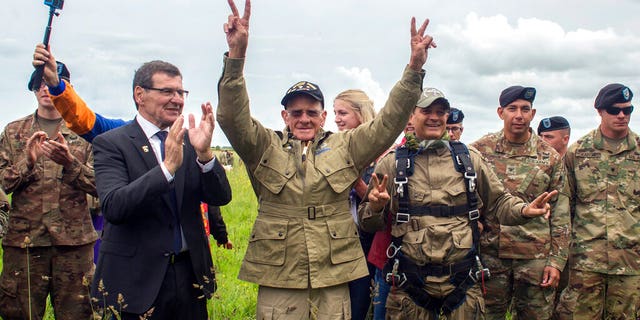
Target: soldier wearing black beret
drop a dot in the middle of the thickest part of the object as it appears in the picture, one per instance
(602, 175)
(556, 132)
(454, 124)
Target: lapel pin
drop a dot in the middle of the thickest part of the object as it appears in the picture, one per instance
(145, 148)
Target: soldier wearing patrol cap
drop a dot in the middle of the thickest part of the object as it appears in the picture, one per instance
(604, 181)
(49, 170)
(433, 204)
(454, 124)
(304, 246)
(526, 260)
(556, 132)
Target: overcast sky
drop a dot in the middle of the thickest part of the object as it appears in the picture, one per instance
(567, 49)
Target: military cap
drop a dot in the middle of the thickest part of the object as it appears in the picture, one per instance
(63, 73)
(552, 124)
(303, 87)
(455, 116)
(431, 95)
(514, 93)
(611, 94)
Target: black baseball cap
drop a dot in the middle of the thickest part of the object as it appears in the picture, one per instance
(63, 73)
(514, 93)
(552, 124)
(455, 116)
(611, 94)
(303, 87)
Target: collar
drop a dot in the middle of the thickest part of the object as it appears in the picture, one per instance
(628, 143)
(148, 128)
(528, 148)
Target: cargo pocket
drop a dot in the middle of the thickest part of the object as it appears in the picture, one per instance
(267, 243)
(400, 307)
(9, 304)
(338, 169)
(412, 246)
(462, 239)
(345, 242)
(274, 169)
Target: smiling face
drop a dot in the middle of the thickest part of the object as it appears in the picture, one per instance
(346, 117)
(304, 117)
(160, 108)
(615, 126)
(517, 117)
(430, 123)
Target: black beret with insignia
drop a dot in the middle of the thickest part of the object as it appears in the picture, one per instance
(611, 94)
(514, 93)
(455, 116)
(552, 124)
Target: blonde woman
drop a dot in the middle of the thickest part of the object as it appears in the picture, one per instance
(351, 109)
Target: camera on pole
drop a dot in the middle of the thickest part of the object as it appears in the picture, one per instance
(54, 6)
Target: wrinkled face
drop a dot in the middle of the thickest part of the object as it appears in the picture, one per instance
(162, 105)
(430, 122)
(455, 131)
(615, 126)
(517, 118)
(304, 117)
(558, 139)
(346, 117)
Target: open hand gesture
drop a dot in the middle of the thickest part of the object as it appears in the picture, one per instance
(540, 206)
(173, 151)
(200, 136)
(420, 44)
(33, 149)
(378, 196)
(237, 30)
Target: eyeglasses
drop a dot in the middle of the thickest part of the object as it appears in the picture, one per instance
(299, 113)
(614, 111)
(454, 129)
(168, 92)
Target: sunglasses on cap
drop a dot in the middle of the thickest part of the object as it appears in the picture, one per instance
(614, 111)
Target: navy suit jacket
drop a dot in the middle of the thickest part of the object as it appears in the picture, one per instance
(137, 239)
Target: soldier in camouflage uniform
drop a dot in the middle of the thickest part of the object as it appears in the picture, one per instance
(526, 260)
(437, 260)
(304, 246)
(49, 170)
(4, 213)
(604, 180)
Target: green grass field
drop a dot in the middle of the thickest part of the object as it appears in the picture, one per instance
(234, 299)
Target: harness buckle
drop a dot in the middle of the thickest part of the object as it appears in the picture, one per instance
(471, 180)
(395, 279)
(402, 217)
(393, 249)
(400, 184)
(482, 273)
(474, 214)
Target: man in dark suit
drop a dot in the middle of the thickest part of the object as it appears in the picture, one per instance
(151, 176)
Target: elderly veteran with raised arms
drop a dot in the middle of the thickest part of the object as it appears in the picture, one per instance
(304, 247)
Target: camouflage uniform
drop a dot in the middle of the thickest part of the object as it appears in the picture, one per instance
(605, 250)
(49, 207)
(439, 241)
(4, 213)
(304, 235)
(517, 255)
